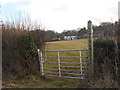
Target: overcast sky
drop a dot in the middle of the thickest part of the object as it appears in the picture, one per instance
(62, 15)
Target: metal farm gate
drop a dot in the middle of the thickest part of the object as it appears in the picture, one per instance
(68, 63)
(64, 66)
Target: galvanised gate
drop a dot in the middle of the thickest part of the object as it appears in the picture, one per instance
(57, 65)
(71, 64)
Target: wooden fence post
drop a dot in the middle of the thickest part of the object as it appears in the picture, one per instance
(90, 49)
(118, 31)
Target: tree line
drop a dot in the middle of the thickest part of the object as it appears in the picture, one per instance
(104, 29)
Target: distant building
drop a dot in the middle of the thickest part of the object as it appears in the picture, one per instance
(56, 39)
(70, 37)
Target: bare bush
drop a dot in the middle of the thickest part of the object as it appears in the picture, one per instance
(19, 46)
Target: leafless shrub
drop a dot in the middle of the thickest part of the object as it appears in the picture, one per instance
(106, 64)
(19, 49)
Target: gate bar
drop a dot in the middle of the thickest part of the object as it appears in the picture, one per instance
(69, 57)
(64, 73)
(64, 63)
(66, 66)
(67, 50)
(65, 77)
(80, 62)
(65, 70)
(59, 64)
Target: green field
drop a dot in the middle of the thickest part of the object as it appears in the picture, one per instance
(68, 44)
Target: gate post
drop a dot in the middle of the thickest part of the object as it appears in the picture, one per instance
(39, 65)
(90, 49)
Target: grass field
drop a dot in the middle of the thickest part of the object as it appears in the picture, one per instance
(68, 44)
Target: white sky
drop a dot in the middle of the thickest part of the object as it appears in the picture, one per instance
(62, 15)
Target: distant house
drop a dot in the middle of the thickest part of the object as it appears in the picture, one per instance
(56, 39)
(70, 37)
